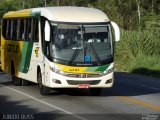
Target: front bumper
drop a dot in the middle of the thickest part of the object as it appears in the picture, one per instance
(55, 80)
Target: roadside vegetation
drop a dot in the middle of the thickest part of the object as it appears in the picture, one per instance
(139, 52)
(139, 20)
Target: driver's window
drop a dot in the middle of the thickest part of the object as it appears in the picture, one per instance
(45, 44)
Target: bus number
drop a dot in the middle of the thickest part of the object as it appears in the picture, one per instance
(74, 69)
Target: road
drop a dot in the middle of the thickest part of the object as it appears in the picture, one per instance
(133, 97)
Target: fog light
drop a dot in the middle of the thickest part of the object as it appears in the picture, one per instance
(56, 81)
(109, 81)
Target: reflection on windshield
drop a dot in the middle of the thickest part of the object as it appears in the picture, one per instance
(67, 36)
(81, 43)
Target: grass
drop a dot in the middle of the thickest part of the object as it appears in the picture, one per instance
(146, 65)
(139, 52)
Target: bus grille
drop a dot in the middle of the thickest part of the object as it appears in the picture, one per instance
(73, 82)
(79, 75)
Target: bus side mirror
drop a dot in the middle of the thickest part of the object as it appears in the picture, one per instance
(47, 31)
(116, 31)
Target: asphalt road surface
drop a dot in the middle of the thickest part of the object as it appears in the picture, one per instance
(133, 97)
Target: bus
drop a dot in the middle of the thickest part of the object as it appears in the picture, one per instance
(59, 47)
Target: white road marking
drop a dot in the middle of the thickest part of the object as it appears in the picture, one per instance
(48, 104)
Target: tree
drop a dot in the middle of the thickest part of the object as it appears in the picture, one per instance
(7, 5)
(138, 10)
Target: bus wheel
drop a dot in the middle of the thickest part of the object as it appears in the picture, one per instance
(25, 82)
(95, 91)
(16, 81)
(43, 89)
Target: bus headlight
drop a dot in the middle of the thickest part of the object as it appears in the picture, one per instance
(57, 71)
(108, 71)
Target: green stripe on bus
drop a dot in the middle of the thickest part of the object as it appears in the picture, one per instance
(102, 68)
(36, 14)
(26, 57)
(97, 69)
(91, 69)
(23, 57)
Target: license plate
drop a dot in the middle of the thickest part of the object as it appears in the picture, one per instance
(83, 85)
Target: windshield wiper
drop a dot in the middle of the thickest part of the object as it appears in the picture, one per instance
(95, 54)
(73, 57)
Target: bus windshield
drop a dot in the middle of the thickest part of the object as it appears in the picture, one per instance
(81, 44)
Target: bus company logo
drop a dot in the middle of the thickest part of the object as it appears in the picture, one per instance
(36, 51)
(150, 117)
(84, 75)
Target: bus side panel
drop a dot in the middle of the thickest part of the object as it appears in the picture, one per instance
(10, 52)
(26, 56)
(32, 59)
(4, 64)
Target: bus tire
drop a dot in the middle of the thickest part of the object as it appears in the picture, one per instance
(16, 81)
(95, 91)
(25, 82)
(43, 89)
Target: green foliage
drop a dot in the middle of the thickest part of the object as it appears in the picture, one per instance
(7, 5)
(31, 3)
(148, 62)
(139, 51)
(145, 42)
(151, 21)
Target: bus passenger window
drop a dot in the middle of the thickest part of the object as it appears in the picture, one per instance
(34, 26)
(11, 32)
(21, 31)
(36, 30)
(28, 32)
(25, 30)
(4, 28)
(18, 30)
(14, 32)
(8, 29)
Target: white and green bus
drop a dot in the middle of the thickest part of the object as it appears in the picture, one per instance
(59, 47)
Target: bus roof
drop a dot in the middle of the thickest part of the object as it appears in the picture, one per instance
(63, 14)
